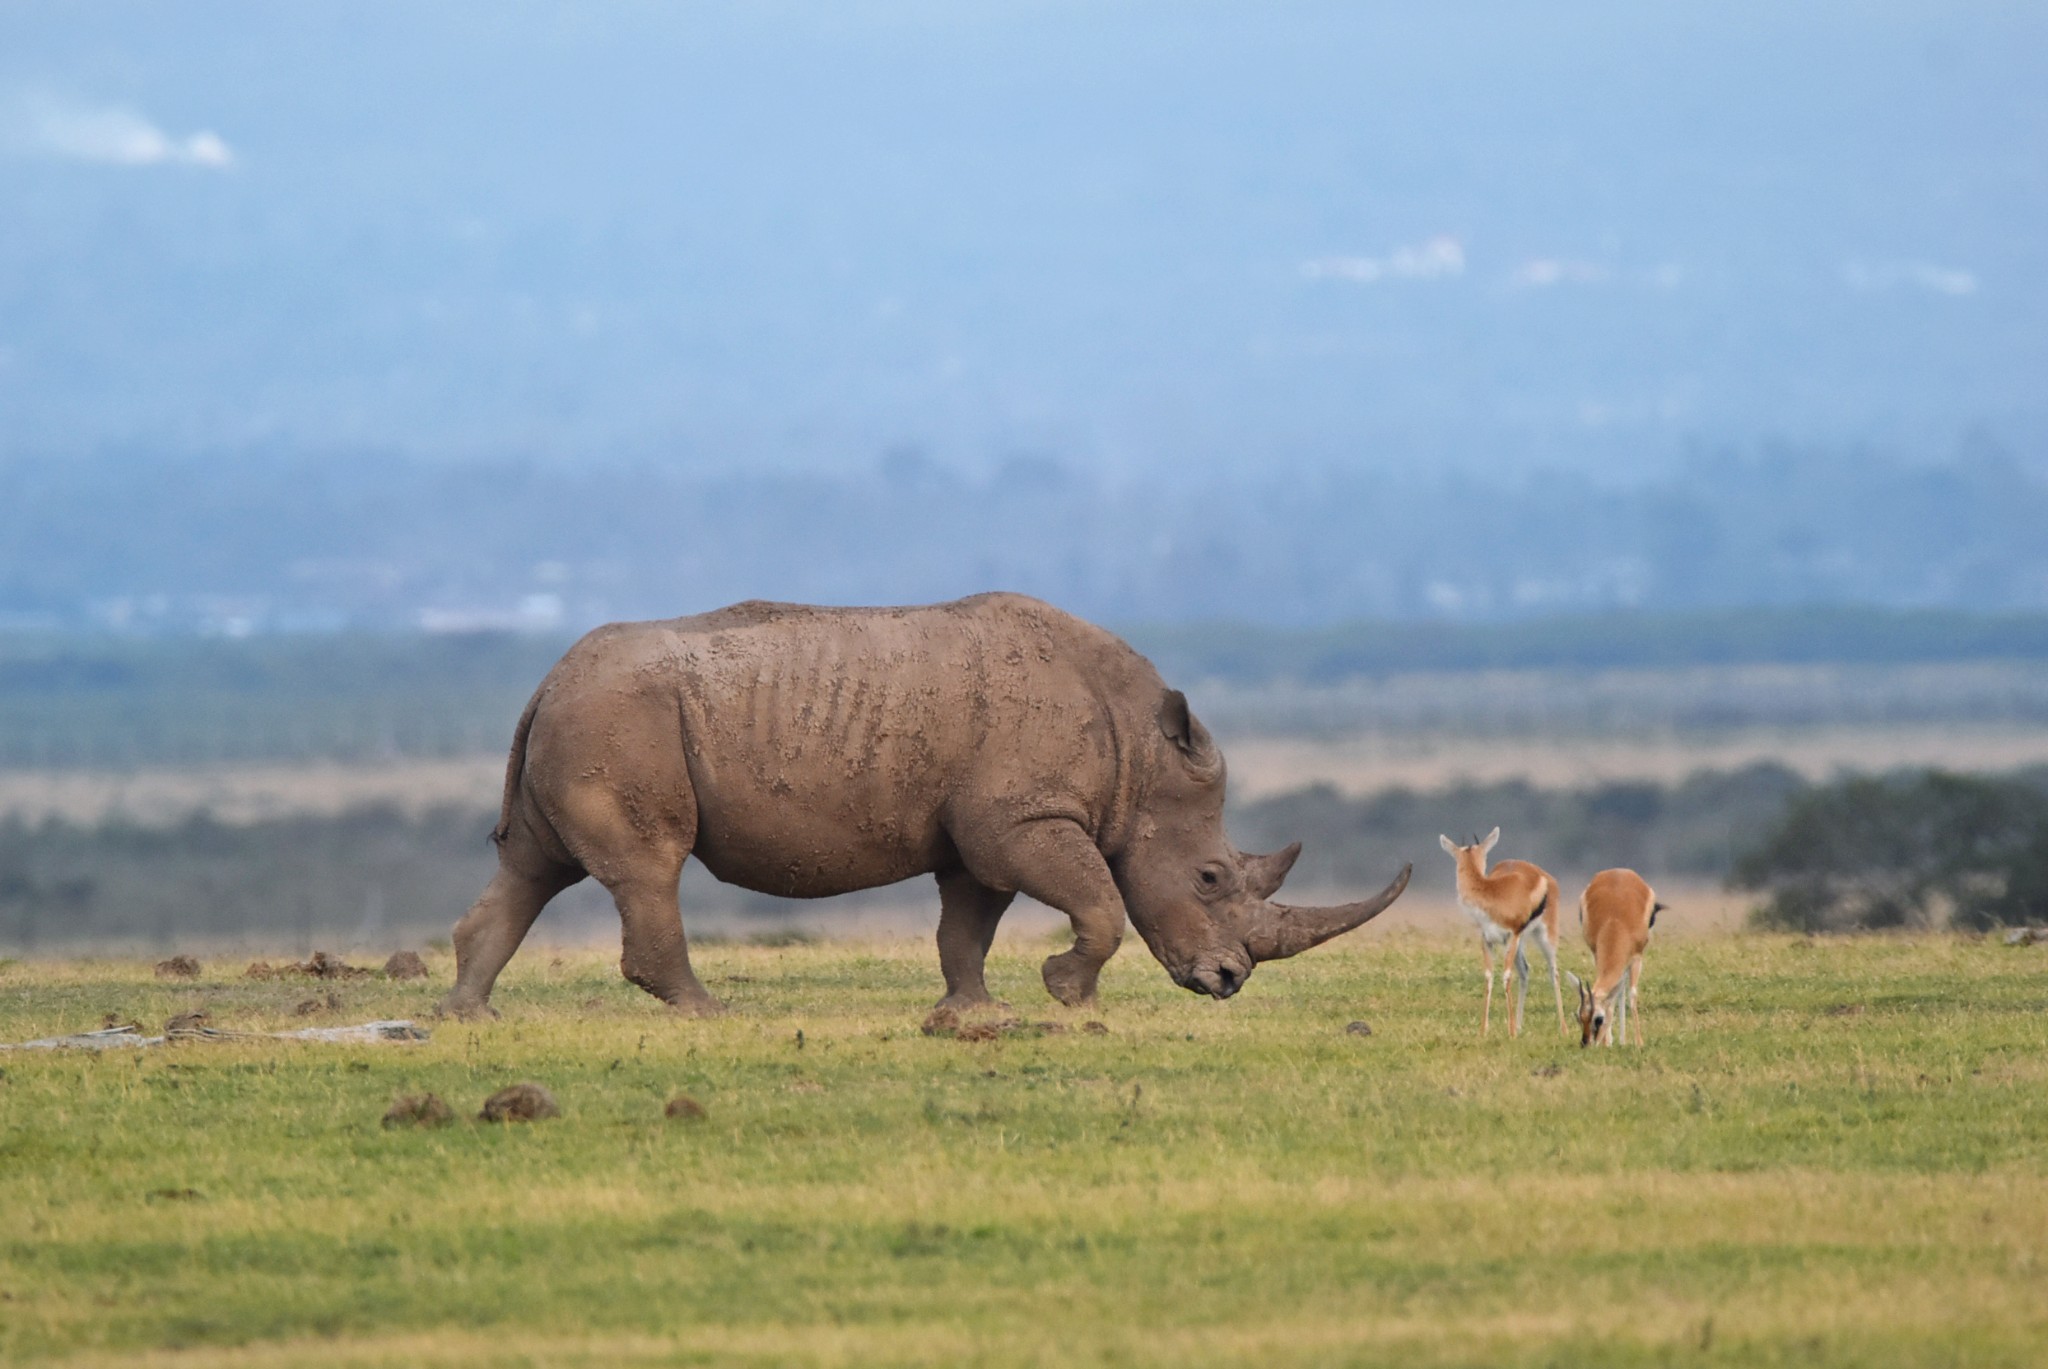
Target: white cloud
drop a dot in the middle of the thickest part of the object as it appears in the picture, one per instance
(1435, 259)
(1915, 275)
(114, 136)
(1541, 271)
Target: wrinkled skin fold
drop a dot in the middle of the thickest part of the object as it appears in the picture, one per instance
(995, 743)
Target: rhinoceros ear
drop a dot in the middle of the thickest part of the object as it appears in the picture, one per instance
(1182, 729)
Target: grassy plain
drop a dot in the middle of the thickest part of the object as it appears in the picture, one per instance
(1829, 1153)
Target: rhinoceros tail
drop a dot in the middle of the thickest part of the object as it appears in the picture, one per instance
(515, 766)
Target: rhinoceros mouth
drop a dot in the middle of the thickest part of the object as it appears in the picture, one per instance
(1219, 981)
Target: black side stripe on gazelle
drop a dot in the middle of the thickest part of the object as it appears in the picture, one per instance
(1541, 904)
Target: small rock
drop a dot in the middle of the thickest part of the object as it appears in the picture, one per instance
(519, 1103)
(1095, 1028)
(684, 1108)
(184, 1022)
(1358, 1029)
(178, 967)
(405, 965)
(418, 1110)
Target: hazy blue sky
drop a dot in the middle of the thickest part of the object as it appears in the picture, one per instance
(1137, 237)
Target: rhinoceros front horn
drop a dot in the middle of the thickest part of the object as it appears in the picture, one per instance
(1281, 931)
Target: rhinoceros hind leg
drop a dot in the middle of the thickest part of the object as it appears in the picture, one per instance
(633, 833)
(654, 953)
(1055, 862)
(968, 913)
(498, 921)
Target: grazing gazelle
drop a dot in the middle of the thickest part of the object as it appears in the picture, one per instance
(1516, 897)
(1617, 911)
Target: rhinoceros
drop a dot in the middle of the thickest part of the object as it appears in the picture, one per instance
(995, 742)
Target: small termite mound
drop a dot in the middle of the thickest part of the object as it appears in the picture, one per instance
(405, 965)
(178, 967)
(418, 1110)
(519, 1103)
(684, 1108)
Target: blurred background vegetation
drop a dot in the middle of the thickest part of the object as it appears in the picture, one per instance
(1911, 848)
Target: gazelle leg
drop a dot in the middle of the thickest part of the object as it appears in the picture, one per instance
(1486, 1012)
(1635, 998)
(1547, 944)
(1519, 994)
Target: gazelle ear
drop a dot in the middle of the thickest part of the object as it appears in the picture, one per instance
(1447, 844)
(1491, 838)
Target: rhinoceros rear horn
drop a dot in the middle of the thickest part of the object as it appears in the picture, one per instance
(1263, 875)
(1281, 931)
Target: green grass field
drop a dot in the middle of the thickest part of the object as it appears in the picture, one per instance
(1831, 1152)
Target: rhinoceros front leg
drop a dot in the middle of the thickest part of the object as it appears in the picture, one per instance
(1055, 862)
(968, 913)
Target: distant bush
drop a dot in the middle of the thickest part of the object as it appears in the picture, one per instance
(1913, 849)
(1692, 828)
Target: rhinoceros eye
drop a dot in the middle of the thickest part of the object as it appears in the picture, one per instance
(1209, 879)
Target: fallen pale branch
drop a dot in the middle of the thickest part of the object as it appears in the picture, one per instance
(129, 1034)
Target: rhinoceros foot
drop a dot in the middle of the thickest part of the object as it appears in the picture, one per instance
(1070, 977)
(465, 1008)
(698, 1005)
(970, 1002)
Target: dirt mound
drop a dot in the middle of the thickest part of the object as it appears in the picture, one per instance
(684, 1108)
(519, 1103)
(946, 1022)
(405, 965)
(178, 967)
(319, 965)
(418, 1110)
(1358, 1028)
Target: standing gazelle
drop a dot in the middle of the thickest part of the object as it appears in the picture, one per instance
(1515, 898)
(1617, 911)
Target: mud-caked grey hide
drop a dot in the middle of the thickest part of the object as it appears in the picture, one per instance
(995, 742)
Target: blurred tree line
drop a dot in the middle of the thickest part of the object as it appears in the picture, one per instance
(110, 702)
(1915, 849)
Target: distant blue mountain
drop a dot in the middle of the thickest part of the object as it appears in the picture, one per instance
(1184, 239)
(276, 541)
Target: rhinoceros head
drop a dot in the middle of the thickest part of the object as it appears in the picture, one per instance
(1203, 907)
